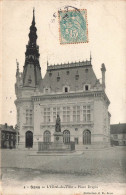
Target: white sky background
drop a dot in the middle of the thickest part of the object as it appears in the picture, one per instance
(107, 43)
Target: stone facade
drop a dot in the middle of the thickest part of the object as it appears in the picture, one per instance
(118, 134)
(70, 90)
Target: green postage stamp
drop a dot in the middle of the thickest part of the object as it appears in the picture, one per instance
(73, 27)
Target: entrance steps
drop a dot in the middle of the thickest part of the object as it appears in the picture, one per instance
(54, 153)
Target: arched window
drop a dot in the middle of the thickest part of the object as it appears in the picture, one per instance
(66, 136)
(47, 136)
(28, 139)
(86, 137)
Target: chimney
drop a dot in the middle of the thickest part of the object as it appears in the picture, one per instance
(103, 70)
(11, 127)
(5, 125)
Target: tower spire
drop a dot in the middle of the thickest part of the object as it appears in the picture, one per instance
(33, 29)
(32, 58)
(32, 49)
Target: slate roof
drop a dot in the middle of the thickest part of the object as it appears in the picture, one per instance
(74, 75)
(7, 128)
(118, 128)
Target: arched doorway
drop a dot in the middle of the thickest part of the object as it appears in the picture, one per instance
(29, 139)
(66, 136)
(86, 137)
(47, 136)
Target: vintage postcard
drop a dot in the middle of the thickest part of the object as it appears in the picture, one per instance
(63, 97)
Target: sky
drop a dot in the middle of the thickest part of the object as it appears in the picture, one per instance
(107, 44)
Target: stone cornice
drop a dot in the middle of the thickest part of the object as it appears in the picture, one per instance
(94, 94)
(20, 100)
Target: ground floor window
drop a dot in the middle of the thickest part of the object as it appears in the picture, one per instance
(47, 136)
(86, 137)
(66, 136)
(29, 139)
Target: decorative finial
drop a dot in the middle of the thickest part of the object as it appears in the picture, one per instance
(103, 67)
(33, 21)
(17, 64)
(90, 56)
(33, 12)
(47, 61)
(17, 72)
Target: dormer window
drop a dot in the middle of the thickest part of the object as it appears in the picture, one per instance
(86, 87)
(66, 89)
(58, 77)
(77, 75)
(46, 90)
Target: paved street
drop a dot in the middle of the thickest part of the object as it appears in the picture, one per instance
(99, 167)
(108, 164)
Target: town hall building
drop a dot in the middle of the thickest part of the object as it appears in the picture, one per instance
(69, 90)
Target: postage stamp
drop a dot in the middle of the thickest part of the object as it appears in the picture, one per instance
(73, 26)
